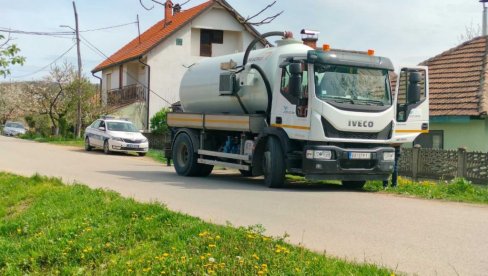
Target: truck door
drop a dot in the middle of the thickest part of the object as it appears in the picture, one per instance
(290, 109)
(412, 104)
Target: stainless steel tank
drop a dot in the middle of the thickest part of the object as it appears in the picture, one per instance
(199, 90)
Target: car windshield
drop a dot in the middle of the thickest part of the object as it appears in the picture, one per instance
(354, 85)
(121, 126)
(14, 125)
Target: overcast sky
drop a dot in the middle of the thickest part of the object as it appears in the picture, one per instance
(407, 31)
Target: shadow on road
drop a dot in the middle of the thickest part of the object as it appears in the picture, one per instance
(222, 179)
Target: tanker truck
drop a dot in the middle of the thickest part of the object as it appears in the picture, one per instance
(292, 109)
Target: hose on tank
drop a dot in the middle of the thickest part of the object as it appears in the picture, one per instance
(258, 39)
(268, 90)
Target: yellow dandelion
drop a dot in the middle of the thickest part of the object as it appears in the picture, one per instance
(260, 272)
(212, 245)
(217, 237)
(255, 256)
(165, 255)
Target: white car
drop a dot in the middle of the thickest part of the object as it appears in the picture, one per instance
(112, 134)
(13, 129)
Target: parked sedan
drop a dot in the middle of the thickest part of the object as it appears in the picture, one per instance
(112, 134)
(13, 129)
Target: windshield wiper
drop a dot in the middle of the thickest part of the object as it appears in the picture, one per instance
(376, 102)
(342, 100)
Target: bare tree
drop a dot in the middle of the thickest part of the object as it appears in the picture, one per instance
(246, 21)
(470, 32)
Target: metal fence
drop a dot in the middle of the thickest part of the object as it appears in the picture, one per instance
(158, 141)
(444, 164)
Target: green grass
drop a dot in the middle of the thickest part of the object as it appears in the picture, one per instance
(459, 190)
(50, 228)
(157, 155)
(54, 140)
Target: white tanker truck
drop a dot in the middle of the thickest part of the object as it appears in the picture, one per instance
(322, 114)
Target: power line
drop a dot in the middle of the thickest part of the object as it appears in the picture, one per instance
(11, 31)
(110, 27)
(43, 68)
(132, 77)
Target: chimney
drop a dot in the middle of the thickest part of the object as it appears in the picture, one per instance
(310, 37)
(168, 11)
(485, 15)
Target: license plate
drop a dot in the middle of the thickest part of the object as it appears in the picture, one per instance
(360, 155)
(133, 146)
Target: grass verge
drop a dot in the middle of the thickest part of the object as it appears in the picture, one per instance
(50, 228)
(459, 190)
(54, 140)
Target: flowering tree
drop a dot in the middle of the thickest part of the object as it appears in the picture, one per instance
(8, 56)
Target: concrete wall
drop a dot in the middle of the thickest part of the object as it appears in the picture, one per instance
(471, 134)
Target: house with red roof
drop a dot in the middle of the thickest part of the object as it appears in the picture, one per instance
(459, 97)
(144, 76)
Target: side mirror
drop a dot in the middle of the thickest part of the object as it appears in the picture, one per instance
(414, 87)
(101, 128)
(295, 84)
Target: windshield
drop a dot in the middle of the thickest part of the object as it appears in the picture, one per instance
(355, 85)
(14, 125)
(121, 126)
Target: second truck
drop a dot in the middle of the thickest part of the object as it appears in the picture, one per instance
(292, 109)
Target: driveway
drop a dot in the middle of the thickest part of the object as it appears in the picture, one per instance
(408, 235)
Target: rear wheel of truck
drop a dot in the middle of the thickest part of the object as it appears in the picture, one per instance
(353, 185)
(205, 170)
(184, 157)
(274, 164)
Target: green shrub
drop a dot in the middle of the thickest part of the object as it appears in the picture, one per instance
(159, 125)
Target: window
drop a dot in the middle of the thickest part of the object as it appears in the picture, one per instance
(432, 140)
(404, 107)
(207, 38)
(179, 41)
(285, 79)
(95, 124)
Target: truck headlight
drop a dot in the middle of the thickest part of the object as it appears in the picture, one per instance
(388, 156)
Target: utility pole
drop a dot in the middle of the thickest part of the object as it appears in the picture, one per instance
(78, 112)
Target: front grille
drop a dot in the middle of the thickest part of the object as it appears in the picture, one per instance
(135, 141)
(332, 132)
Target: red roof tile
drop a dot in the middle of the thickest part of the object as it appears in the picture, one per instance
(457, 80)
(153, 36)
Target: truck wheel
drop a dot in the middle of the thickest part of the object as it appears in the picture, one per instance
(184, 158)
(205, 170)
(274, 164)
(246, 173)
(353, 185)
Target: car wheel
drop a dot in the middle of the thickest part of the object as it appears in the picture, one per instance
(141, 153)
(274, 164)
(88, 147)
(184, 157)
(353, 185)
(106, 148)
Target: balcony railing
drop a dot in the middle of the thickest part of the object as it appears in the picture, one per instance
(126, 95)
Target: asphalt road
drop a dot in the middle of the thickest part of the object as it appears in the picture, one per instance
(409, 235)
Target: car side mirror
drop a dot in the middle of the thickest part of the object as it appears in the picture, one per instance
(101, 128)
(295, 84)
(414, 87)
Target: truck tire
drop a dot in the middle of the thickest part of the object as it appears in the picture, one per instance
(184, 157)
(245, 173)
(205, 170)
(274, 164)
(353, 185)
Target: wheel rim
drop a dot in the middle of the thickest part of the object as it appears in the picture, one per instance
(183, 155)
